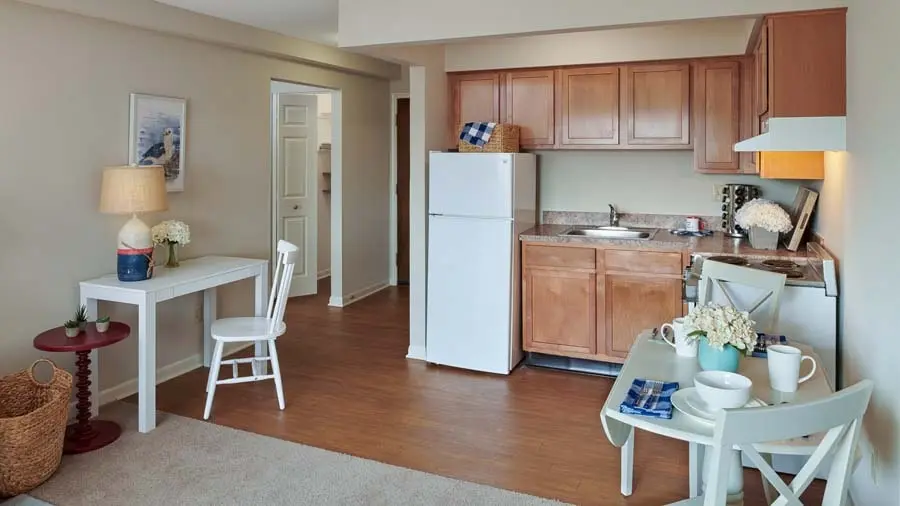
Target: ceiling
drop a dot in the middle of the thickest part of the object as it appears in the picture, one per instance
(315, 20)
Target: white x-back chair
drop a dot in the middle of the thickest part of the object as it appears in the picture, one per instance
(268, 328)
(755, 291)
(839, 416)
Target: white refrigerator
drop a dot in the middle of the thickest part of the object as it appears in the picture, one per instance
(479, 203)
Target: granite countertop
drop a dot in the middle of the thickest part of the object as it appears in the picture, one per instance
(716, 244)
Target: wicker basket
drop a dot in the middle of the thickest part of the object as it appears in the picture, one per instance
(32, 428)
(504, 139)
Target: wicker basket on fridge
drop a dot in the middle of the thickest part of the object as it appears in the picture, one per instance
(504, 139)
(32, 428)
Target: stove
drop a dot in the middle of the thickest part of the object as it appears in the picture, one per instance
(731, 260)
(787, 267)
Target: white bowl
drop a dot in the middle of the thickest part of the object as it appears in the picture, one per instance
(723, 390)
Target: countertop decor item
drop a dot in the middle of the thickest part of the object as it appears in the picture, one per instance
(72, 328)
(172, 233)
(85, 434)
(102, 324)
(765, 220)
(724, 332)
(157, 136)
(32, 427)
(133, 190)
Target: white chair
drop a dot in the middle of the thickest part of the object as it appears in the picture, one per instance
(759, 292)
(839, 414)
(268, 328)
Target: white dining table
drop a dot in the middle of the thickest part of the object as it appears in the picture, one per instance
(204, 274)
(652, 358)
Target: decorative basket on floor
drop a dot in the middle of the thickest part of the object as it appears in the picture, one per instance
(504, 139)
(32, 428)
(761, 238)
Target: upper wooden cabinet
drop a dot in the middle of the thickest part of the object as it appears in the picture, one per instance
(657, 105)
(717, 115)
(801, 65)
(530, 105)
(473, 97)
(588, 114)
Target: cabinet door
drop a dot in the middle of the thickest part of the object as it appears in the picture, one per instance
(761, 54)
(560, 311)
(474, 97)
(657, 105)
(716, 114)
(635, 303)
(589, 109)
(529, 104)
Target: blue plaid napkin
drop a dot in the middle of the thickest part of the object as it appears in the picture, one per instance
(477, 133)
(649, 398)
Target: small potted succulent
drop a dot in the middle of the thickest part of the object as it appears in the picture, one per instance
(72, 328)
(81, 317)
(102, 324)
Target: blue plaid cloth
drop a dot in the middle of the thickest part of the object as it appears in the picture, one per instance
(477, 133)
(649, 398)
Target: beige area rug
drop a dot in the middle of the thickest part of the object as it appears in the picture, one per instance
(189, 462)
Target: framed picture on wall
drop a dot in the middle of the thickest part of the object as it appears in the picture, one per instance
(157, 136)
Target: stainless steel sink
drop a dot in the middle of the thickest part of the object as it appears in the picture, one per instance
(612, 232)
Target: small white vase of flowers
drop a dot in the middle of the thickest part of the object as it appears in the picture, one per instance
(172, 233)
(724, 334)
(765, 220)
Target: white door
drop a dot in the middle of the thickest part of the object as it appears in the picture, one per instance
(296, 183)
(469, 298)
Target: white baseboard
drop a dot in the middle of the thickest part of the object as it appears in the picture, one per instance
(163, 374)
(358, 295)
(416, 352)
(324, 273)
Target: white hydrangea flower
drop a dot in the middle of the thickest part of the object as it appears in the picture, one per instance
(171, 232)
(722, 325)
(764, 214)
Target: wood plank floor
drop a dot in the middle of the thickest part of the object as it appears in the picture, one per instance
(348, 388)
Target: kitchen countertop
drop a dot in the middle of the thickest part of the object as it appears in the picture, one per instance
(716, 244)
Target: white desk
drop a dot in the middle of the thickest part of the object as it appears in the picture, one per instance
(653, 359)
(200, 274)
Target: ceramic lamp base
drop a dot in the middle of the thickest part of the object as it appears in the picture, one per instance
(135, 252)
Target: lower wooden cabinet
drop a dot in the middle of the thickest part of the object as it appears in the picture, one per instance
(635, 303)
(560, 309)
(589, 302)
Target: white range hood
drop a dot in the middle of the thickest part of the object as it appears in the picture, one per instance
(823, 133)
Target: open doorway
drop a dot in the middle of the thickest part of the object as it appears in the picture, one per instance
(301, 132)
(400, 178)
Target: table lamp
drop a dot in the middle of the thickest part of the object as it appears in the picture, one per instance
(132, 190)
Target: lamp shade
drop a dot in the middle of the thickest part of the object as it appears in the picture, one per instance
(137, 189)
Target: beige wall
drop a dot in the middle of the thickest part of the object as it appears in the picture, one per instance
(658, 182)
(682, 40)
(365, 23)
(870, 273)
(65, 116)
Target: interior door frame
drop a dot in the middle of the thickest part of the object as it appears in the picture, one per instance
(392, 253)
(336, 264)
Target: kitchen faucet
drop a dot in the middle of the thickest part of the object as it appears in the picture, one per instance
(613, 216)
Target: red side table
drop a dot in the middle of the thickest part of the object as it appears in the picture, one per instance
(85, 434)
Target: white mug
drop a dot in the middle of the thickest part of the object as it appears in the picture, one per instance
(684, 347)
(784, 367)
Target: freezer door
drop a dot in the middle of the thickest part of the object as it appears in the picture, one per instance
(469, 293)
(471, 184)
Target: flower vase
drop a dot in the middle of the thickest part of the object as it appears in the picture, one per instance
(714, 359)
(761, 238)
(172, 260)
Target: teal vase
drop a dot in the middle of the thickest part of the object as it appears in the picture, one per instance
(714, 359)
